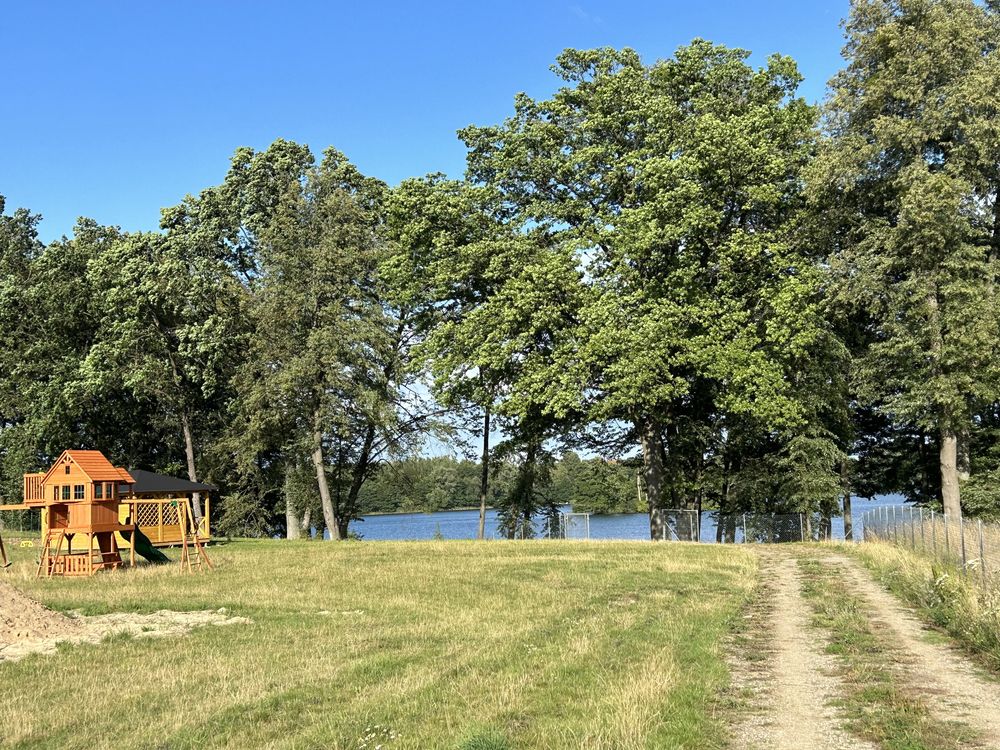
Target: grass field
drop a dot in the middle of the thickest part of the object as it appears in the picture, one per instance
(478, 646)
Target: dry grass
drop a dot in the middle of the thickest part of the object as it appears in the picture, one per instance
(402, 645)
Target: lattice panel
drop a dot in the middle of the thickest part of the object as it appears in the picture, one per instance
(148, 514)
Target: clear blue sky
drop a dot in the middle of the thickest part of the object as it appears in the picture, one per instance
(113, 110)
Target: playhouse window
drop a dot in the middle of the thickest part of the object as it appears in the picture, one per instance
(65, 492)
(67, 468)
(98, 491)
(78, 492)
(111, 491)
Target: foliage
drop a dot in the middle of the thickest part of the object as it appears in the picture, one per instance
(907, 182)
(674, 266)
(674, 186)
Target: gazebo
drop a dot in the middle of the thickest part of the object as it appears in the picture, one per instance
(150, 502)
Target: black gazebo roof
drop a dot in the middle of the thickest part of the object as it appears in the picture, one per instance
(147, 481)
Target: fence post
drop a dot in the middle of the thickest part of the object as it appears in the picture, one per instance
(913, 532)
(802, 530)
(745, 540)
(923, 540)
(947, 537)
(895, 526)
(934, 534)
(961, 531)
(982, 552)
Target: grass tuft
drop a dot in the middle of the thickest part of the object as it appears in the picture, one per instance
(485, 739)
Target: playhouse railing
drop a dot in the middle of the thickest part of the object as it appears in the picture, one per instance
(159, 519)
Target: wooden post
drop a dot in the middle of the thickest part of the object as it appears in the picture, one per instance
(961, 536)
(982, 552)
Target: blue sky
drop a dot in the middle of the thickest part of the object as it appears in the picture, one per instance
(113, 110)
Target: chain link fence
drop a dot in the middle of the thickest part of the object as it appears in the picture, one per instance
(21, 521)
(970, 544)
(574, 525)
(680, 525)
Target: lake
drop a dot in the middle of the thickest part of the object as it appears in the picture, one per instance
(462, 524)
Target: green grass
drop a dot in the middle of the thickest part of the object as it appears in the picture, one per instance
(482, 646)
(883, 708)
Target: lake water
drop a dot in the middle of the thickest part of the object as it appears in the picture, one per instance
(463, 524)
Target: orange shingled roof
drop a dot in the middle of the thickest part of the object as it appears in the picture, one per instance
(96, 466)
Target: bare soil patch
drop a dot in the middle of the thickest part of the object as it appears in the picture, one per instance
(27, 627)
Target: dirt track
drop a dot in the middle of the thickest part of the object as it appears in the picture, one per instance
(793, 690)
(790, 690)
(940, 670)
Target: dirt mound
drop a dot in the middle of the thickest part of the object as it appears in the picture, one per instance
(26, 627)
(22, 618)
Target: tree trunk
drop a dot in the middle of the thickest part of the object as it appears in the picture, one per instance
(946, 419)
(329, 514)
(696, 531)
(484, 476)
(306, 527)
(192, 472)
(949, 474)
(358, 475)
(292, 521)
(848, 519)
(964, 461)
(652, 464)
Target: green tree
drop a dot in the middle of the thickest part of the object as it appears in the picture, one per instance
(676, 186)
(320, 333)
(909, 180)
(168, 318)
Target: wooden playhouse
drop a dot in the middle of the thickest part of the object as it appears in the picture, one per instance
(91, 511)
(79, 496)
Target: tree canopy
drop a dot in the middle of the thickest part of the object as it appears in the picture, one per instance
(674, 283)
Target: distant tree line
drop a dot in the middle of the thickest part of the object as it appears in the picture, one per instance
(428, 484)
(769, 305)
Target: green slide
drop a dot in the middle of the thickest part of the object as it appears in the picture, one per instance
(145, 548)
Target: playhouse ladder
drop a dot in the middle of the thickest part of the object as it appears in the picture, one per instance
(198, 557)
(48, 560)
